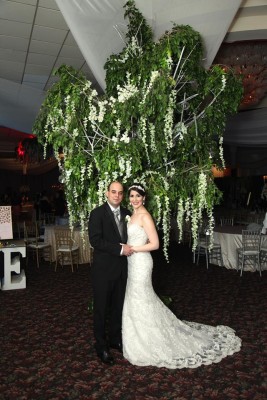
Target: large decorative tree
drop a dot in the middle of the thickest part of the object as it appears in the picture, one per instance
(160, 122)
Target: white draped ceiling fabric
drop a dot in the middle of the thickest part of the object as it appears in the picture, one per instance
(95, 24)
(19, 105)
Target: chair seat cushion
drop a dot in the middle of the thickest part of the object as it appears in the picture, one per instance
(40, 245)
(215, 246)
(251, 252)
(66, 248)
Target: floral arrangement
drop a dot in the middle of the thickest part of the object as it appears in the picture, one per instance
(160, 122)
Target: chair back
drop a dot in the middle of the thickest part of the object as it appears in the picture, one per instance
(251, 240)
(20, 229)
(203, 236)
(31, 232)
(227, 221)
(48, 218)
(64, 238)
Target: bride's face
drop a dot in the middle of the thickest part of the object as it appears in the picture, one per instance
(136, 200)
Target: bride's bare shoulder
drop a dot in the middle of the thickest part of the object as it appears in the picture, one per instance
(146, 216)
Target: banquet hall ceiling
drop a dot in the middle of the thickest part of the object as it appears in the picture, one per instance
(35, 39)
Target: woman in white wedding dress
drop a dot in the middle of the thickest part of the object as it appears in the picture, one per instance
(151, 333)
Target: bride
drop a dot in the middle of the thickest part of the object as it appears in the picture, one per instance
(151, 333)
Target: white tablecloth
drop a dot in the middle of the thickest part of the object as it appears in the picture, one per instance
(85, 250)
(230, 238)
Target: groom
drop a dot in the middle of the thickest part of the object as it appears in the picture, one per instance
(108, 237)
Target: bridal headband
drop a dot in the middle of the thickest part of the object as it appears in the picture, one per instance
(137, 187)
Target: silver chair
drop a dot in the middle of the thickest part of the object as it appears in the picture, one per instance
(227, 221)
(34, 245)
(20, 229)
(48, 218)
(211, 253)
(187, 234)
(67, 252)
(250, 250)
(263, 255)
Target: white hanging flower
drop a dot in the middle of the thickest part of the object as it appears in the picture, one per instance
(86, 87)
(158, 202)
(223, 81)
(115, 176)
(92, 114)
(94, 93)
(125, 138)
(152, 130)
(102, 185)
(127, 91)
(132, 49)
(89, 170)
(118, 127)
(112, 100)
(221, 151)
(142, 133)
(85, 121)
(169, 121)
(153, 77)
(202, 188)
(67, 99)
(121, 162)
(75, 132)
(180, 130)
(102, 110)
(180, 217)
(169, 61)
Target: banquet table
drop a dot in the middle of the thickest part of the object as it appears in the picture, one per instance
(230, 238)
(85, 250)
(12, 264)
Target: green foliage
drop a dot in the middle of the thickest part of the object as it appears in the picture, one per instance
(161, 122)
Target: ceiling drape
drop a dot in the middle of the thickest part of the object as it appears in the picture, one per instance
(95, 24)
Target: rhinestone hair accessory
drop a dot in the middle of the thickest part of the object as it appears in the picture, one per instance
(137, 187)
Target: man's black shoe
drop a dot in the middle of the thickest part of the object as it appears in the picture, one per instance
(106, 357)
(116, 346)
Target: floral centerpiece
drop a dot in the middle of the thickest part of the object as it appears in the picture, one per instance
(160, 122)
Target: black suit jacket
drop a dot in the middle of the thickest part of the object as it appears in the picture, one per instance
(105, 238)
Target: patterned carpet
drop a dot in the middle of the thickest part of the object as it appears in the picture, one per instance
(47, 347)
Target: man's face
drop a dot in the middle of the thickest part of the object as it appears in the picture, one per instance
(115, 194)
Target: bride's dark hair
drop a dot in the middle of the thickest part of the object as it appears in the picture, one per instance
(138, 188)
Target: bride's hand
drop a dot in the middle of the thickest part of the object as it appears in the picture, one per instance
(127, 250)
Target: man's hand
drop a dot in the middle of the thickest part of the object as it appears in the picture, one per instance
(127, 250)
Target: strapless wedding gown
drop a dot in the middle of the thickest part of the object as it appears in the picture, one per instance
(151, 333)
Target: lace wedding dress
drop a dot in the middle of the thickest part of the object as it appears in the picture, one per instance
(151, 333)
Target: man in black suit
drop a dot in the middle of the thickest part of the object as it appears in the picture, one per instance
(108, 237)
